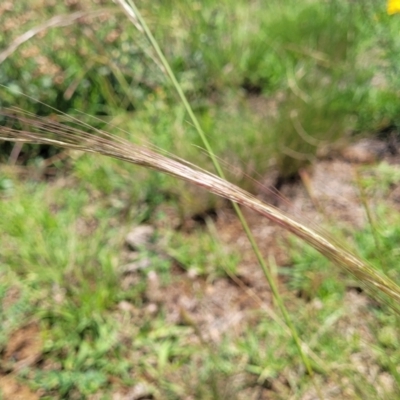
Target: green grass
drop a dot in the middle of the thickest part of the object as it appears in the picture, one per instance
(62, 252)
(313, 61)
(268, 83)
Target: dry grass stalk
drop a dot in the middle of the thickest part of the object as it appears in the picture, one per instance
(46, 131)
(57, 21)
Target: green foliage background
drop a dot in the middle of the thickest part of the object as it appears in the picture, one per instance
(271, 82)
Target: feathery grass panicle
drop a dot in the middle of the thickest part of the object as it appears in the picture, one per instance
(46, 131)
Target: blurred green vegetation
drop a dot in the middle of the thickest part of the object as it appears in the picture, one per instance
(62, 267)
(271, 82)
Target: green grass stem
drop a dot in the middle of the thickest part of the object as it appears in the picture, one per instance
(178, 88)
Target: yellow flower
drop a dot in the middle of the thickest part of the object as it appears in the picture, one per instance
(393, 7)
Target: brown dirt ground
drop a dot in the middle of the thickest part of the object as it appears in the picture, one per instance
(325, 194)
(23, 349)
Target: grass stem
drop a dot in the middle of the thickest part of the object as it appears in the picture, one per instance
(219, 171)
